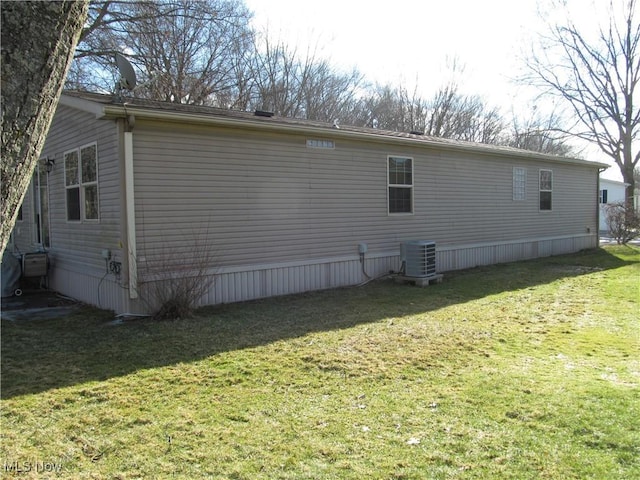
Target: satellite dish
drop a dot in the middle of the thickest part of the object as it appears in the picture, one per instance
(127, 74)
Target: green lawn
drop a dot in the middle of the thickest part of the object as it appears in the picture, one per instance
(525, 370)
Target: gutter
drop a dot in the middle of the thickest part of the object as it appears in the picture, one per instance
(600, 170)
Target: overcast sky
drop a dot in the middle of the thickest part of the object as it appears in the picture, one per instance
(407, 40)
(413, 42)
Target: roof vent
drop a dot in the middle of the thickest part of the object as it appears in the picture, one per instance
(263, 113)
(416, 132)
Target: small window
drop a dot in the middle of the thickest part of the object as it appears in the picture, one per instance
(400, 183)
(81, 183)
(519, 183)
(546, 189)
(603, 196)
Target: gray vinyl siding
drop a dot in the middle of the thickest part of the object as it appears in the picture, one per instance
(22, 237)
(77, 263)
(471, 200)
(267, 198)
(273, 216)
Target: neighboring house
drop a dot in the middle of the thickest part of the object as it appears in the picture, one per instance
(611, 191)
(284, 205)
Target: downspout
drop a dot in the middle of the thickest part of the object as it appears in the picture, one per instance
(130, 206)
(600, 170)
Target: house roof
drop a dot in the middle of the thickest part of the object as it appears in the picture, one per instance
(109, 106)
(612, 182)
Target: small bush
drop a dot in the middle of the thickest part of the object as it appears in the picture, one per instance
(623, 222)
(175, 279)
(176, 298)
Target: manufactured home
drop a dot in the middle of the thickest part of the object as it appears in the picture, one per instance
(131, 192)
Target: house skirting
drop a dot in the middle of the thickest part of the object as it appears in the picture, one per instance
(459, 257)
(92, 286)
(259, 281)
(236, 284)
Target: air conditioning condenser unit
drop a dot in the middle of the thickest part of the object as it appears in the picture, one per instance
(419, 262)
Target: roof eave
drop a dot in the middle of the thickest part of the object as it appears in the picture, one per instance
(271, 124)
(84, 105)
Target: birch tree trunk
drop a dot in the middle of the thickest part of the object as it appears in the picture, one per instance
(38, 41)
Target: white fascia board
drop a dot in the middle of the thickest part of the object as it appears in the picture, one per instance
(88, 106)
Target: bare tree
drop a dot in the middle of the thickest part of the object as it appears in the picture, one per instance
(330, 95)
(38, 40)
(107, 21)
(382, 108)
(187, 51)
(299, 86)
(597, 78)
(539, 133)
(448, 113)
(463, 117)
(278, 76)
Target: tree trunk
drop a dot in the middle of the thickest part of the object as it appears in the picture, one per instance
(38, 41)
(629, 189)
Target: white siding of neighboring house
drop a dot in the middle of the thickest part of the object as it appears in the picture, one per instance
(615, 193)
(78, 267)
(284, 218)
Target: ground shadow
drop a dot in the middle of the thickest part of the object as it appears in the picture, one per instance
(87, 346)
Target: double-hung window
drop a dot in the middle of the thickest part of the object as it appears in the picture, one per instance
(81, 183)
(400, 184)
(546, 189)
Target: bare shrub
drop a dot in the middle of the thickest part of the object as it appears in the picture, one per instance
(175, 278)
(623, 222)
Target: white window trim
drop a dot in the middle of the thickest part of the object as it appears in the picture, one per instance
(81, 185)
(411, 187)
(540, 190)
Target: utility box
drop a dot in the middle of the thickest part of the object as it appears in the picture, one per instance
(35, 264)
